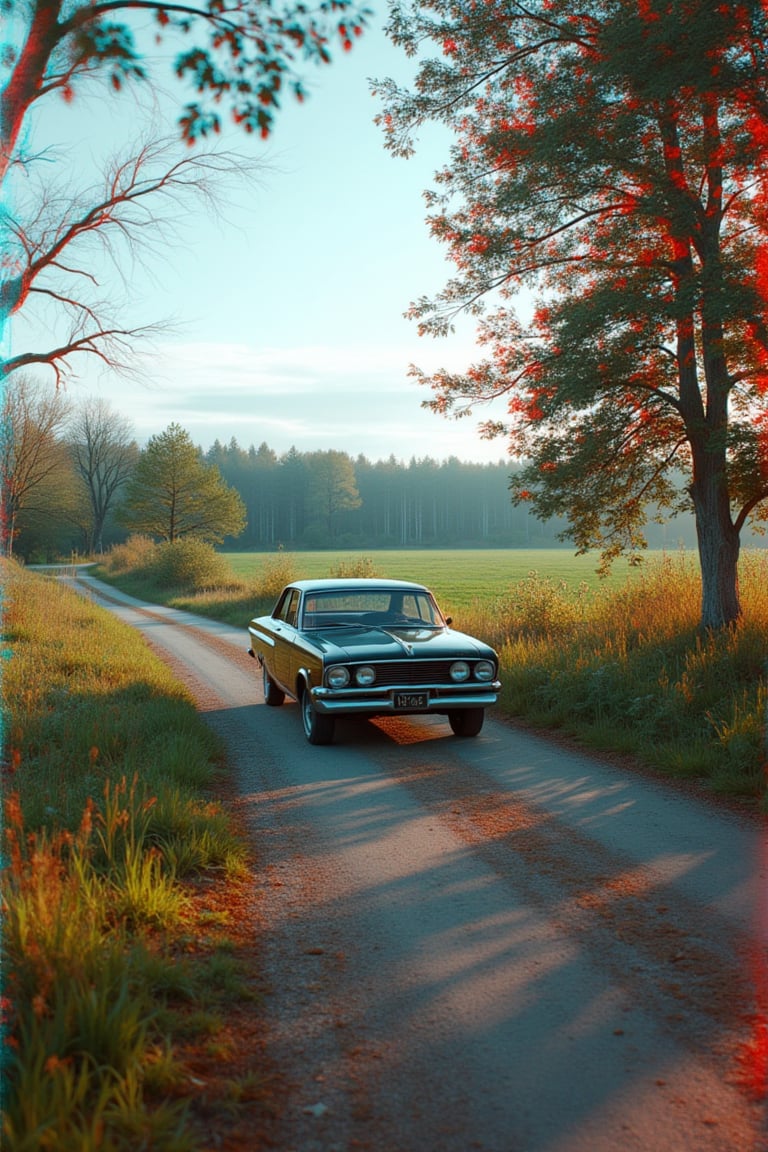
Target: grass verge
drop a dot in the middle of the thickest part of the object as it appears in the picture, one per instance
(124, 957)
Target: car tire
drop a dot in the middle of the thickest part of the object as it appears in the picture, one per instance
(273, 695)
(466, 721)
(318, 729)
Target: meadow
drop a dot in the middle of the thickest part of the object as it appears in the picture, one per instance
(457, 576)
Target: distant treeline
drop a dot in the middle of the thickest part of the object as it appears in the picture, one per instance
(327, 499)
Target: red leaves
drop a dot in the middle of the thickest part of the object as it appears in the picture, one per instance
(761, 272)
(346, 33)
(478, 244)
(647, 12)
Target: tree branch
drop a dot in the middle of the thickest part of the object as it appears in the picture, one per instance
(741, 519)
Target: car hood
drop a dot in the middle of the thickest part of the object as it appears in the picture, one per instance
(353, 643)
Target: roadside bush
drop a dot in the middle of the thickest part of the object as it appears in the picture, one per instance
(136, 553)
(189, 565)
(541, 606)
(277, 571)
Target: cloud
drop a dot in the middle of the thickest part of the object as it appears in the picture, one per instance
(357, 399)
(234, 369)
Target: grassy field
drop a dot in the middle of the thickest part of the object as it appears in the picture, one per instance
(456, 576)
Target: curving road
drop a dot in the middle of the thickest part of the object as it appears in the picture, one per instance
(488, 944)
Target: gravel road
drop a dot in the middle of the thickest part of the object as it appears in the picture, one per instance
(488, 944)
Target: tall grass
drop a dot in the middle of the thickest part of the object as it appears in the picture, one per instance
(81, 1011)
(108, 780)
(629, 671)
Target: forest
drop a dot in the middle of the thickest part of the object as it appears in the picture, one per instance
(74, 480)
(327, 499)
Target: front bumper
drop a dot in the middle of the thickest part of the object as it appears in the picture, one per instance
(440, 698)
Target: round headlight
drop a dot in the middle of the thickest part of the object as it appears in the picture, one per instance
(484, 670)
(460, 670)
(337, 677)
(365, 676)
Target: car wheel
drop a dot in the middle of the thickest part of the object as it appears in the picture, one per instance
(466, 721)
(318, 729)
(273, 695)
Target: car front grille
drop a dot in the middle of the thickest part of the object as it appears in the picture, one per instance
(411, 672)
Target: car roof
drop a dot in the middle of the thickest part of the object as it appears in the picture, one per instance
(354, 583)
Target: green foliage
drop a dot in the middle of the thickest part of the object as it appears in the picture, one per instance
(173, 493)
(611, 161)
(333, 488)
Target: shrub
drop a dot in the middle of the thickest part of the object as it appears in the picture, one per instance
(136, 553)
(356, 566)
(541, 606)
(188, 564)
(277, 571)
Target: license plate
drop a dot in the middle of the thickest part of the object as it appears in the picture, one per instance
(404, 700)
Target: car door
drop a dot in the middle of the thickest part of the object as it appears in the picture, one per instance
(285, 637)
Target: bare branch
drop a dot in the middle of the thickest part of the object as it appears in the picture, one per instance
(114, 347)
(60, 240)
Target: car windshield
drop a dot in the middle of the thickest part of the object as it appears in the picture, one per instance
(371, 607)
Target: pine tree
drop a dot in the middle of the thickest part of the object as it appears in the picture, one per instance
(173, 493)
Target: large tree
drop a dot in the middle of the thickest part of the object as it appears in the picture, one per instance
(173, 493)
(104, 453)
(611, 160)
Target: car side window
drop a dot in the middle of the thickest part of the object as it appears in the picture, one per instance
(292, 614)
(288, 607)
(278, 612)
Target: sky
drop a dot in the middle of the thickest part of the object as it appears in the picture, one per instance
(287, 308)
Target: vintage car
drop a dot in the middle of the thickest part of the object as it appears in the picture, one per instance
(370, 647)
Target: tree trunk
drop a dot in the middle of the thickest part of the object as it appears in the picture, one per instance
(718, 543)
